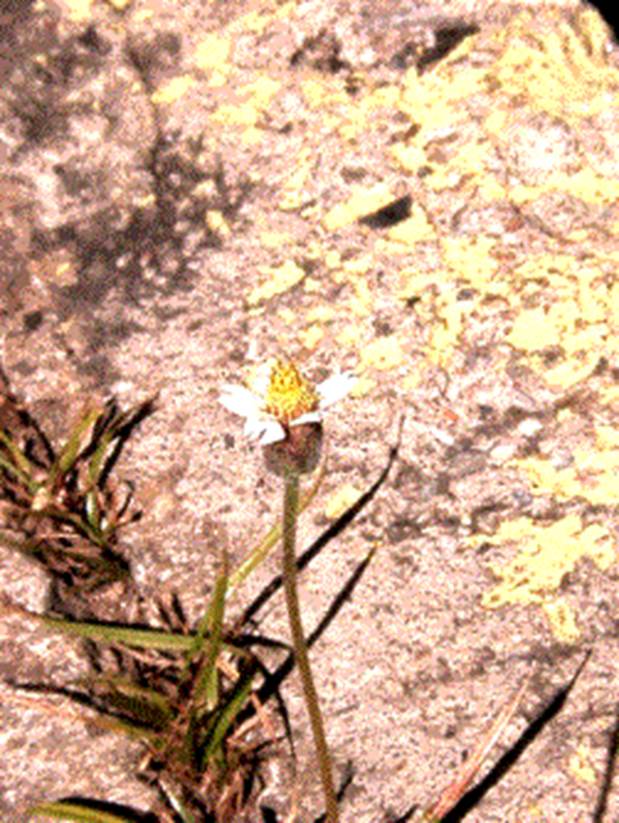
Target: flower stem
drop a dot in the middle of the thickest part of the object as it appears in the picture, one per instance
(291, 510)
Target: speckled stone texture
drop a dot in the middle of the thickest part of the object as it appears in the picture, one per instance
(423, 193)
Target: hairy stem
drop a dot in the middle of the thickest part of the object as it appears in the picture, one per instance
(291, 510)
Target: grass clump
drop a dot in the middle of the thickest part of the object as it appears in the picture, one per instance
(60, 506)
(197, 698)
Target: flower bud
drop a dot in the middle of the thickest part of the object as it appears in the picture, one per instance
(298, 452)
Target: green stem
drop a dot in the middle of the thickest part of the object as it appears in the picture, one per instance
(291, 510)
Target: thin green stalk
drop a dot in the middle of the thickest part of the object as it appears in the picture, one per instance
(291, 511)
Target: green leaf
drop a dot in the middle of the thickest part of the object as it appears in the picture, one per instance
(206, 692)
(77, 812)
(227, 715)
(212, 623)
(126, 728)
(148, 706)
(135, 638)
(97, 461)
(92, 510)
(112, 425)
(184, 814)
(110, 633)
(70, 452)
(21, 467)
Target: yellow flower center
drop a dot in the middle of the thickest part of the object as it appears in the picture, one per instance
(289, 394)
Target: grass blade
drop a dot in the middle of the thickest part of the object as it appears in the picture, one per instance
(176, 804)
(147, 705)
(469, 769)
(227, 715)
(21, 467)
(212, 623)
(261, 551)
(71, 450)
(110, 633)
(77, 812)
(127, 635)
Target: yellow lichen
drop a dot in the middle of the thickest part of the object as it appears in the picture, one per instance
(366, 114)
(332, 259)
(341, 500)
(362, 201)
(293, 192)
(348, 337)
(409, 156)
(280, 279)
(250, 102)
(533, 330)
(384, 353)
(592, 475)
(211, 56)
(562, 620)
(545, 555)
(358, 265)
(78, 10)
(361, 302)
(275, 239)
(413, 283)
(415, 229)
(173, 90)
(311, 336)
(558, 64)
(217, 223)
(471, 259)
(321, 314)
(581, 765)
(586, 184)
(569, 373)
(446, 332)
(364, 386)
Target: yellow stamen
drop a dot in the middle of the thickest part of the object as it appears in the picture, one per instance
(289, 394)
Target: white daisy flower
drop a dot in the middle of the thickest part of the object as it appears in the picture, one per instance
(287, 399)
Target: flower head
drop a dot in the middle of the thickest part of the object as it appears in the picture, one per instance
(285, 400)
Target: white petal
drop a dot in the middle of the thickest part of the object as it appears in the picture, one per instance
(264, 429)
(273, 433)
(261, 379)
(310, 417)
(239, 400)
(335, 388)
(255, 426)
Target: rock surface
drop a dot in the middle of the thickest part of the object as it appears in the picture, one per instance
(426, 195)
